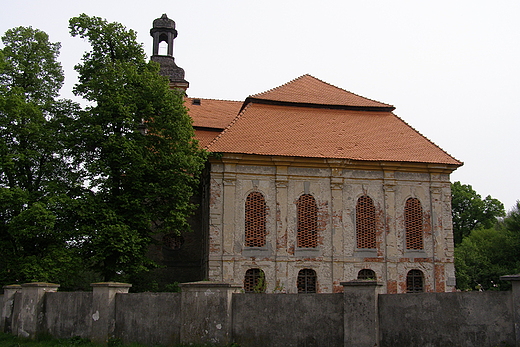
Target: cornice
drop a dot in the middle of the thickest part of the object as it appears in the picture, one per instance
(348, 164)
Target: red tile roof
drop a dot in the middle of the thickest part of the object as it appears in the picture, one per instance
(205, 137)
(212, 113)
(310, 118)
(327, 133)
(310, 90)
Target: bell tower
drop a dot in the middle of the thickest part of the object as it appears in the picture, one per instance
(163, 30)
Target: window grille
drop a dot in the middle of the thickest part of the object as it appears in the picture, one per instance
(414, 281)
(413, 224)
(307, 234)
(173, 241)
(255, 217)
(307, 281)
(365, 223)
(254, 281)
(366, 274)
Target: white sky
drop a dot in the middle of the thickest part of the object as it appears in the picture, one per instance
(451, 68)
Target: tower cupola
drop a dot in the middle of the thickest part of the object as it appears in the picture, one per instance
(163, 30)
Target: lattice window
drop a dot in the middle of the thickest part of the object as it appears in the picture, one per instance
(307, 235)
(307, 281)
(413, 224)
(173, 241)
(254, 281)
(365, 223)
(366, 274)
(255, 217)
(415, 281)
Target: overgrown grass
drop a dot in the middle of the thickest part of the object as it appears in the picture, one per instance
(8, 340)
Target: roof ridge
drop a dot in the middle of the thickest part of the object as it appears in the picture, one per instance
(191, 97)
(426, 137)
(280, 86)
(265, 95)
(332, 85)
(238, 116)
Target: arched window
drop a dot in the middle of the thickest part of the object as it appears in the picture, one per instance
(366, 274)
(365, 223)
(254, 281)
(255, 220)
(306, 281)
(413, 224)
(415, 281)
(307, 234)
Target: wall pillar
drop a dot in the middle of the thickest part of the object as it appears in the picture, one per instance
(361, 322)
(7, 307)
(104, 309)
(206, 312)
(29, 322)
(515, 281)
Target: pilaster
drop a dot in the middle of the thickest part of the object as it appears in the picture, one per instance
(7, 307)
(203, 319)
(361, 322)
(29, 322)
(104, 309)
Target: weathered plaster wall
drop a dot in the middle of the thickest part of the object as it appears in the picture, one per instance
(336, 188)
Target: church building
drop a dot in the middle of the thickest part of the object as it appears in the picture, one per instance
(310, 185)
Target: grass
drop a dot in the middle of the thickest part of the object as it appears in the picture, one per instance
(8, 340)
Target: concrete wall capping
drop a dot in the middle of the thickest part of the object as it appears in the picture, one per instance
(360, 283)
(111, 284)
(209, 284)
(510, 278)
(40, 284)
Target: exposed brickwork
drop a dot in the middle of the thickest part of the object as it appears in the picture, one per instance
(323, 217)
(380, 230)
(307, 236)
(391, 287)
(413, 216)
(440, 281)
(307, 282)
(255, 219)
(374, 260)
(365, 223)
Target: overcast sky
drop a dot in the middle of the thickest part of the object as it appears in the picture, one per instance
(451, 68)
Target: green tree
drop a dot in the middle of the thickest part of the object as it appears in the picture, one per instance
(470, 211)
(486, 254)
(37, 180)
(136, 147)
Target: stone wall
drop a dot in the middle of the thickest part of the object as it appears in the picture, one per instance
(306, 319)
(217, 314)
(148, 318)
(68, 314)
(435, 320)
